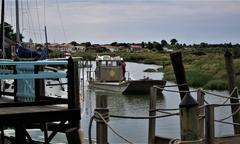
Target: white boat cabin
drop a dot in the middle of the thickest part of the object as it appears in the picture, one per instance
(109, 69)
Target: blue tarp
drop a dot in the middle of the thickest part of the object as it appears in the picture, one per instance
(29, 53)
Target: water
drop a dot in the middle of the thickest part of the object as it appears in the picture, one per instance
(136, 131)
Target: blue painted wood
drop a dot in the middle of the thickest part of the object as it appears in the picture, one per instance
(26, 63)
(42, 75)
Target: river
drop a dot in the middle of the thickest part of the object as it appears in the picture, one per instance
(136, 131)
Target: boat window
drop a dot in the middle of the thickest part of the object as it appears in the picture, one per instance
(104, 63)
(114, 63)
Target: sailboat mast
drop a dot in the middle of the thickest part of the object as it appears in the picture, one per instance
(45, 30)
(17, 23)
(2, 29)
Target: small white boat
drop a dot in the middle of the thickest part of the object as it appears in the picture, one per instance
(110, 75)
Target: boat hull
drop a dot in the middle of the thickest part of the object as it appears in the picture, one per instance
(110, 86)
(143, 86)
(128, 87)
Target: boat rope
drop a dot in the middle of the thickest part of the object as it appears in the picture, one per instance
(234, 113)
(227, 122)
(160, 109)
(176, 85)
(218, 95)
(178, 141)
(144, 117)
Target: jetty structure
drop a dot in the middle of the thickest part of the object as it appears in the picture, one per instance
(28, 107)
(110, 74)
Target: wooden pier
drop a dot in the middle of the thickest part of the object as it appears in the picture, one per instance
(45, 113)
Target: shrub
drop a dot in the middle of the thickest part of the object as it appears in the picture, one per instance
(217, 84)
(149, 70)
(197, 78)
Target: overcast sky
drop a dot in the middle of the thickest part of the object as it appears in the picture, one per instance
(106, 21)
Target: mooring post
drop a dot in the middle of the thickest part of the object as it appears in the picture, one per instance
(231, 88)
(189, 119)
(179, 72)
(39, 84)
(73, 86)
(200, 100)
(209, 124)
(152, 112)
(101, 108)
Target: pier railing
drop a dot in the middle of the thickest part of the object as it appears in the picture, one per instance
(35, 110)
(197, 121)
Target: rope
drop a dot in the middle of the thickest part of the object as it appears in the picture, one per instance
(227, 122)
(89, 130)
(104, 115)
(97, 113)
(143, 117)
(163, 109)
(176, 85)
(218, 95)
(178, 141)
(230, 115)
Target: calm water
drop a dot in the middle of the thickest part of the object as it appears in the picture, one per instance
(135, 105)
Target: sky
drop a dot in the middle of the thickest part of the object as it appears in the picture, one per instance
(107, 21)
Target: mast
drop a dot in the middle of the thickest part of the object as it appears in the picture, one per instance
(46, 39)
(17, 23)
(2, 30)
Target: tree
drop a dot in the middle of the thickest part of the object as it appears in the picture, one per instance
(157, 46)
(8, 32)
(143, 44)
(74, 43)
(173, 41)
(114, 44)
(164, 43)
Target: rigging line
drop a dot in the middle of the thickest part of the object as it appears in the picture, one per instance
(40, 36)
(61, 21)
(22, 25)
(31, 20)
(44, 12)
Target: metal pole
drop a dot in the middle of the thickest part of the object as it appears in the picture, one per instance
(2, 27)
(17, 23)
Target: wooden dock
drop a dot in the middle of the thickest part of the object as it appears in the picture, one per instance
(45, 113)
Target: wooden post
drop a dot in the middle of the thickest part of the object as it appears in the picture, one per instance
(189, 119)
(102, 131)
(73, 136)
(231, 85)
(20, 134)
(179, 72)
(152, 122)
(209, 124)
(39, 84)
(200, 100)
(73, 88)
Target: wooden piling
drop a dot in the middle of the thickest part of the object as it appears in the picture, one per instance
(189, 119)
(39, 83)
(200, 100)
(209, 124)
(231, 87)
(101, 108)
(73, 136)
(179, 72)
(152, 122)
(73, 88)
